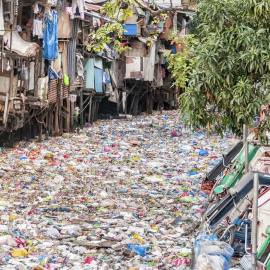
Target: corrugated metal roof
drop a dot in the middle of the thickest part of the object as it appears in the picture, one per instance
(92, 7)
(95, 1)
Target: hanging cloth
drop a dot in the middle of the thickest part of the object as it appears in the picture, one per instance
(50, 38)
(72, 98)
(2, 25)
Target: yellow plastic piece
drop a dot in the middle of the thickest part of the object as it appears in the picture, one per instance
(19, 252)
(136, 236)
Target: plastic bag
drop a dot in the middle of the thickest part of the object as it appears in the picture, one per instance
(210, 244)
(203, 152)
(7, 240)
(208, 262)
(217, 248)
(66, 79)
(106, 78)
(140, 250)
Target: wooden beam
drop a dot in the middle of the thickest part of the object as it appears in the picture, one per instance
(90, 109)
(72, 116)
(81, 110)
(68, 116)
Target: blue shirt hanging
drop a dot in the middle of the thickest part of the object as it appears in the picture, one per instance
(50, 36)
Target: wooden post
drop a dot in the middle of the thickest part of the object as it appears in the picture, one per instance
(160, 100)
(22, 130)
(93, 111)
(117, 108)
(72, 116)
(68, 116)
(61, 122)
(170, 98)
(30, 130)
(136, 103)
(149, 102)
(81, 111)
(56, 118)
(90, 108)
(48, 122)
(46, 128)
(97, 108)
(40, 132)
(36, 72)
(131, 111)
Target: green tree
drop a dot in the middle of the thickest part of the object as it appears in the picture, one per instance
(117, 11)
(229, 74)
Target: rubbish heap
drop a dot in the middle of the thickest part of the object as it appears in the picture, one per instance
(123, 194)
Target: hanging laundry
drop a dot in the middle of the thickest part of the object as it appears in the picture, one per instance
(80, 5)
(80, 70)
(53, 74)
(36, 8)
(1, 19)
(69, 11)
(52, 2)
(50, 39)
(72, 98)
(37, 29)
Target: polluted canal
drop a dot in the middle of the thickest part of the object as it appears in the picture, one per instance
(123, 194)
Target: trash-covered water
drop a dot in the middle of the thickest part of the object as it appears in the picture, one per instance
(123, 194)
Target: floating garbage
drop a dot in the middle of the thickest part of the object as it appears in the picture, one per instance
(121, 194)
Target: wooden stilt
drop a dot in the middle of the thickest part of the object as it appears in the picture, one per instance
(56, 120)
(93, 111)
(61, 122)
(40, 132)
(49, 122)
(72, 116)
(97, 108)
(81, 111)
(131, 111)
(68, 116)
(159, 100)
(117, 108)
(149, 102)
(170, 99)
(90, 109)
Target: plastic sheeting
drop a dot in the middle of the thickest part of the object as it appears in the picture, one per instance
(50, 39)
(20, 46)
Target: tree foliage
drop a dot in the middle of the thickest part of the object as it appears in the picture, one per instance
(117, 11)
(229, 74)
(180, 63)
(112, 31)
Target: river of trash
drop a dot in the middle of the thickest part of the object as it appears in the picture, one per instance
(123, 194)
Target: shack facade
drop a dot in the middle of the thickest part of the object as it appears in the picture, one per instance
(50, 82)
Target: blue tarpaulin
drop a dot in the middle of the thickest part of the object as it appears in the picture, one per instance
(50, 35)
(131, 29)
